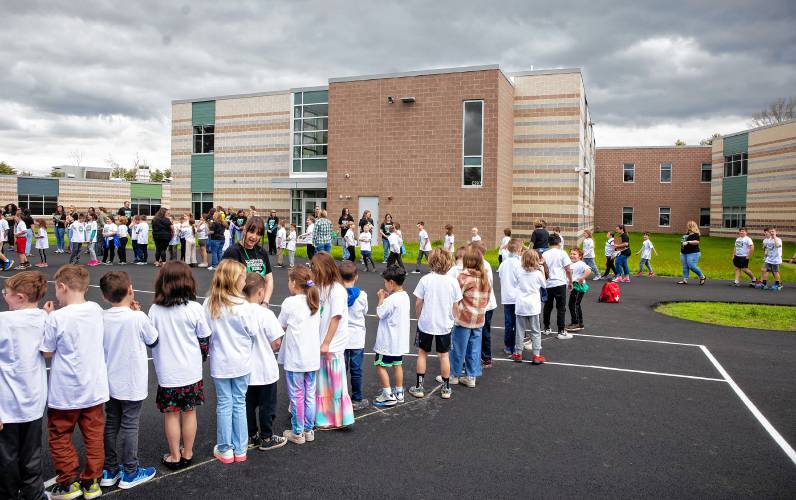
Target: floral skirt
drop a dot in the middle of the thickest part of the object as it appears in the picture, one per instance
(333, 404)
(175, 399)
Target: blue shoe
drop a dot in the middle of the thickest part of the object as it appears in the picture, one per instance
(776, 288)
(141, 475)
(110, 477)
(759, 286)
(8, 265)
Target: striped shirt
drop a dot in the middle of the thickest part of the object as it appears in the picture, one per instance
(471, 311)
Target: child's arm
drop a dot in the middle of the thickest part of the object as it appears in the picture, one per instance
(382, 294)
(418, 306)
(568, 271)
(586, 274)
(752, 250)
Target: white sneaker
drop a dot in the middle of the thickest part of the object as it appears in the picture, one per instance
(294, 438)
(211, 268)
(453, 380)
(399, 395)
(382, 400)
(225, 457)
(564, 336)
(547, 331)
(597, 278)
(309, 436)
(467, 381)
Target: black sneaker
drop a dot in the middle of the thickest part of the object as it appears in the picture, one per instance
(416, 271)
(255, 441)
(273, 443)
(360, 405)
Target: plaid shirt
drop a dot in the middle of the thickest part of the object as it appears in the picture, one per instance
(471, 311)
(322, 234)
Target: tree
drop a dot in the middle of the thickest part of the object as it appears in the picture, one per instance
(679, 142)
(130, 174)
(6, 169)
(709, 140)
(118, 172)
(167, 174)
(26, 173)
(156, 175)
(77, 157)
(56, 173)
(778, 111)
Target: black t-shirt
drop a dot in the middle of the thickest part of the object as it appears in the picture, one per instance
(125, 212)
(216, 230)
(343, 223)
(255, 259)
(58, 220)
(626, 239)
(689, 248)
(240, 221)
(272, 225)
(363, 222)
(539, 238)
(161, 228)
(385, 228)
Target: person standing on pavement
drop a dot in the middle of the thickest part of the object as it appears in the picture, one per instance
(384, 232)
(689, 253)
(271, 227)
(540, 236)
(342, 224)
(623, 247)
(161, 233)
(125, 211)
(322, 234)
(59, 224)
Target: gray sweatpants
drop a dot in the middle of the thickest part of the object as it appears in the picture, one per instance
(121, 421)
(525, 323)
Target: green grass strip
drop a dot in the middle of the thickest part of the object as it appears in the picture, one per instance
(760, 317)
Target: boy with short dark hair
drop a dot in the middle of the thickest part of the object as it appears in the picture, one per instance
(741, 255)
(78, 384)
(355, 349)
(559, 280)
(392, 338)
(127, 334)
(23, 387)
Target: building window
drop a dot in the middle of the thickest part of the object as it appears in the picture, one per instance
(666, 172)
(473, 144)
(145, 206)
(310, 131)
(707, 172)
(704, 217)
(734, 217)
(201, 203)
(203, 139)
(38, 204)
(303, 203)
(627, 216)
(736, 165)
(664, 216)
(629, 172)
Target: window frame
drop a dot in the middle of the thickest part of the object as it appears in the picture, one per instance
(669, 215)
(632, 214)
(702, 173)
(738, 162)
(202, 135)
(201, 203)
(701, 213)
(661, 170)
(733, 217)
(624, 171)
(40, 200)
(298, 103)
(481, 156)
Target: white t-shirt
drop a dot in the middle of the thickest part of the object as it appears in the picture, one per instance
(23, 375)
(588, 248)
(507, 272)
(186, 231)
(556, 260)
(503, 250)
(350, 238)
(449, 242)
(143, 233)
(395, 243)
(646, 249)
(291, 241)
(265, 371)
(439, 292)
(109, 230)
(178, 357)
(78, 232)
(562, 239)
(91, 231)
(127, 335)
(743, 245)
(228, 241)
(529, 299)
(3, 229)
(334, 302)
(176, 229)
(42, 242)
(201, 230)
(492, 304)
(123, 231)
(364, 241)
(477, 237)
(310, 229)
(281, 235)
(609, 247)
(392, 337)
(78, 376)
(425, 242)
(356, 321)
(773, 250)
(20, 229)
(231, 344)
(301, 347)
(578, 269)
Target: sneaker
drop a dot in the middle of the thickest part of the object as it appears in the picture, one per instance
(618, 279)
(141, 475)
(92, 263)
(574, 328)
(240, 458)
(273, 443)
(571, 326)
(211, 268)
(467, 381)
(309, 436)
(651, 275)
(294, 438)
(91, 489)
(360, 405)
(202, 265)
(110, 477)
(486, 363)
(417, 391)
(453, 380)
(140, 263)
(399, 395)
(507, 351)
(626, 280)
(537, 360)
(382, 400)
(564, 335)
(759, 286)
(597, 278)
(445, 393)
(547, 331)
(8, 264)
(225, 457)
(255, 441)
(21, 267)
(66, 491)
(639, 274)
(416, 271)
(517, 357)
(776, 288)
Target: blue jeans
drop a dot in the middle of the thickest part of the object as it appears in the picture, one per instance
(689, 262)
(385, 246)
(59, 238)
(645, 262)
(30, 240)
(486, 337)
(509, 324)
(353, 363)
(324, 247)
(589, 261)
(231, 429)
(214, 247)
(466, 351)
(621, 265)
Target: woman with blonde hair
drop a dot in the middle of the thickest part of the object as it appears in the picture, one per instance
(689, 253)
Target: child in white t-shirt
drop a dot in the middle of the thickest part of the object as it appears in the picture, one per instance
(503, 252)
(42, 242)
(424, 246)
(507, 272)
(588, 254)
(109, 232)
(392, 337)
(474, 236)
(741, 255)
(124, 235)
(127, 334)
(23, 385)
(142, 239)
(21, 234)
(772, 249)
(435, 295)
(450, 240)
(174, 241)
(355, 348)
(530, 281)
(559, 279)
(395, 242)
(350, 242)
(281, 240)
(646, 254)
(78, 238)
(292, 236)
(262, 391)
(300, 352)
(92, 229)
(580, 271)
(78, 382)
(365, 247)
(610, 255)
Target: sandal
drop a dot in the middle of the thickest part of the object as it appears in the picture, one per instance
(702, 280)
(171, 465)
(682, 282)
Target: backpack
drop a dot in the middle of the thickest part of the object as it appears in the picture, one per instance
(610, 293)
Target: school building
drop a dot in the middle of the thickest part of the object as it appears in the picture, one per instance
(470, 146)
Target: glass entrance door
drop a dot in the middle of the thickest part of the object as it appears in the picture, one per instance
(303, 203)
(309, 209)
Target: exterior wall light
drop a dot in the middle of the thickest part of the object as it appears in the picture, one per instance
(408, 100)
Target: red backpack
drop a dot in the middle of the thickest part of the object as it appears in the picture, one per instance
(610, 293)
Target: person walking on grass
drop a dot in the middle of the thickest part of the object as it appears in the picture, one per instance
(322, 233)
(689, 253)
(623, 247)
(741, 255)
(424, 246)
(384, 231)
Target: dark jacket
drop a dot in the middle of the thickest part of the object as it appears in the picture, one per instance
(161, 228)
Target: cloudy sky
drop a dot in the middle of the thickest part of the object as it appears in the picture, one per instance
(97, 78)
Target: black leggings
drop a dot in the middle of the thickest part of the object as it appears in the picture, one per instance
(310, 251)
(43, 255)
(575, 312)
(609, 266)
(395, 258)
(110, 253)
(160, 249)
(558, 295)
(352, 254)
(122, 250)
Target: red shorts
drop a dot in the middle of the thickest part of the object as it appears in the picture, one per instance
(21, 242)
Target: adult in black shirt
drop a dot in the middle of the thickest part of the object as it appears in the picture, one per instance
(248, 252)
(125, 211)
(622, 269)
(215, 241)
(342, 223)
(271, 227)
(540, 236)
(366, 219)
(384, 233)
(689, 253)
(9, 212)
(161, 234)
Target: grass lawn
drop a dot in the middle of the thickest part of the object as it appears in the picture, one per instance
(756, 316)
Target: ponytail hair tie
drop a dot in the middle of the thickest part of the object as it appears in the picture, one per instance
(310, 283)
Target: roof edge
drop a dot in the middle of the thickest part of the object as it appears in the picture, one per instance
(556, 71)
(233, 96)
(405, 74)
(762, 127)
(687, 146)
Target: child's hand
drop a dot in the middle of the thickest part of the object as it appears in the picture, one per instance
(324, 348)
(49, 307)
(382, 293)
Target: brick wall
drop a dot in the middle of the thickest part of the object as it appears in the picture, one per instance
(685, 195)
(85, 193)
(8, 190)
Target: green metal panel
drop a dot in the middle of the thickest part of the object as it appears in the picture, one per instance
(202, 173)
(204, 113)
(41, 187)
(146, 190)
(736, 144)
(733, 191)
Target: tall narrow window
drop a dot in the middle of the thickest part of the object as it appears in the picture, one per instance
(310, 131)
(201, 203)
(629, 172)
(473, 144)
(627, 216)
(666, 172)
(203, 139)
(664, 216)
(704, 217)
(707, 172)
